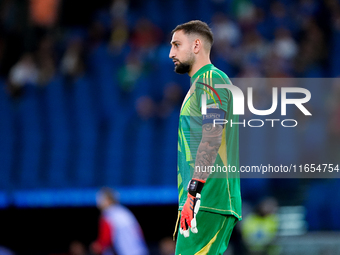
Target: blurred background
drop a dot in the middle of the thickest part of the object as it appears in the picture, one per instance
(89, 98)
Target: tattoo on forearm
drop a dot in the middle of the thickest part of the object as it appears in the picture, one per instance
(207, 150)
(207, 127)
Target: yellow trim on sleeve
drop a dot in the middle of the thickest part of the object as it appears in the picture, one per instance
(176, 227)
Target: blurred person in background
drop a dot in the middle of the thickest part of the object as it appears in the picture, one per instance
(253, 49)
(119, 232)
(119, 8)
(313, 49)
(43, 17)
(24, 72)
(46, 59)
(225, 31)
(145, 107)
(129, 73)
(167, 246)
(259, 229)
(72, 63)
(119, 35)
(146, 36)
(77, 248)
(44, 13)
(284, 44)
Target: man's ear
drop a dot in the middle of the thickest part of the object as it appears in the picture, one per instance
(197, 45)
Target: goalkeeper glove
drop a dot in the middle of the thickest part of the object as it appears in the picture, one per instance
(191, 207)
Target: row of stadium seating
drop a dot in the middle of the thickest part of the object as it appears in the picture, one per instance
(84, 133)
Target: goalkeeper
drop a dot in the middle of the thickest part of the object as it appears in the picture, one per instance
(209, 201)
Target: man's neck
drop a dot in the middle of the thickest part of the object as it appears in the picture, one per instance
(198, 65)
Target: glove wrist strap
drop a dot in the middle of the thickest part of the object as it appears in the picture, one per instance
(195, 186)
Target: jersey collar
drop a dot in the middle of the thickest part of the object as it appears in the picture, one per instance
(202, 70)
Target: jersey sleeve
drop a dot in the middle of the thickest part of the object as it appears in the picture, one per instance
(216, 98)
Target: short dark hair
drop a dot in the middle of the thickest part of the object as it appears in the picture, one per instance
(196, 27)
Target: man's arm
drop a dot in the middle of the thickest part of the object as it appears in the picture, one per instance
(207, 150)
(206, 156)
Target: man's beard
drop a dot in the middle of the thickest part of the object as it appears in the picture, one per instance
(184, 67)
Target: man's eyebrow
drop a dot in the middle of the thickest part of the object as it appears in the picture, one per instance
(173, 42)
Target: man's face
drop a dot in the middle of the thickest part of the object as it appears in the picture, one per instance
(182, 52)
(102, 201)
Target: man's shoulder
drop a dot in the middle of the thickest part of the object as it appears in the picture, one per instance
(213, 72)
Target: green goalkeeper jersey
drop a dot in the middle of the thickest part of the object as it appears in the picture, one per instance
(221, 193)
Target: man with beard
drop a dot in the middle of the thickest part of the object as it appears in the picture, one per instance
(208, 153)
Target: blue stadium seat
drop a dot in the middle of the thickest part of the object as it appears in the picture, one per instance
(318, 206)
(165, 67)
(334, 192)
(335, 54)
(264, 4)
(281, 146)
(86, 132)
(103, 17)
(142, 87)
(103, 72)
(265, 28)
(315, 146)
(254, 190)
(153, 12)
(143, 157)
(137, 146)
(114, 163)
(169, 144)
(251, 143)
(314, 71)
(7, 137)
(285, 145)
(157, 84)
(59, 133)
(30, 126)
(224, 66)
(177, 8)
(201, 10)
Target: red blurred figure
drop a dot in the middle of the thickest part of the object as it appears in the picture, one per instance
(119, 231)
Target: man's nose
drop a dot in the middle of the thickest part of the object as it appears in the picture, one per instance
(171, 54)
